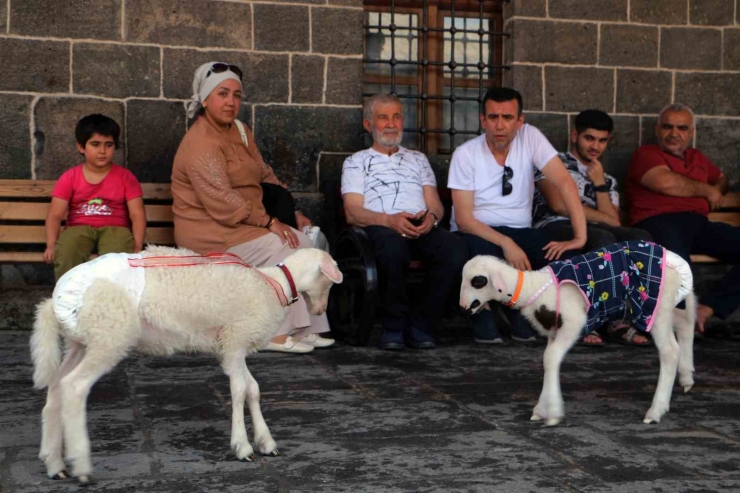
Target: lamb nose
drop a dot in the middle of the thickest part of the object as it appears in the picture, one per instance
(475, 304)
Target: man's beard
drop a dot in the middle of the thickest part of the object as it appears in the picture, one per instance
(388, 141)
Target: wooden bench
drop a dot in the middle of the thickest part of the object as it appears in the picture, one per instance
(730, 214)
(25, 203)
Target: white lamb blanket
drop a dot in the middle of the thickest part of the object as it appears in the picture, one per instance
(71, 288)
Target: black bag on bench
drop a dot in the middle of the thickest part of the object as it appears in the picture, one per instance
(279, 203)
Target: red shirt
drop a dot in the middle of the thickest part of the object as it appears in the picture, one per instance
(98, 205)
(644, 203)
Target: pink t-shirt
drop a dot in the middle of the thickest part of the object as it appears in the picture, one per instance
(98, 205)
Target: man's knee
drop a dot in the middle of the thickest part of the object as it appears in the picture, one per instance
(599, 237)
(390, 248)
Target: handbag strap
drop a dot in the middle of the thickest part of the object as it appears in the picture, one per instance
(240, 127)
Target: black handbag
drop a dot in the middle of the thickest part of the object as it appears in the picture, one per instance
(279, 203)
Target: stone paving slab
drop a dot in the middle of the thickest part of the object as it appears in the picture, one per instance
(351, 420)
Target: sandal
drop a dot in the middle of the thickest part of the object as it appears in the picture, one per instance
(595, 343)
(626, 335)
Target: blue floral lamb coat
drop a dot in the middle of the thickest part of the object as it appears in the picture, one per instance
(619, 281)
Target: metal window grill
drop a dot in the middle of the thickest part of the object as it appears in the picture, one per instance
(470, 44)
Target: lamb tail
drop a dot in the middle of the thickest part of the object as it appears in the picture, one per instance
(46, 352)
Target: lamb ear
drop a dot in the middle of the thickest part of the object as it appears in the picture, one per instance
(330, 269)
(498, 282)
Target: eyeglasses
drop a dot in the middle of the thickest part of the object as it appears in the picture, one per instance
(506, 187)
(218, 68)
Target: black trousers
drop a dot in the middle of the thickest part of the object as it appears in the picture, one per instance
(598, 235)
(685, 233)
(443, 255)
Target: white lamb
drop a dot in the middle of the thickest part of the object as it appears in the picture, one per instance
(117, 303)
(561, 309)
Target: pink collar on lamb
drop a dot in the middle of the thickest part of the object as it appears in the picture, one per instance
(217, 258)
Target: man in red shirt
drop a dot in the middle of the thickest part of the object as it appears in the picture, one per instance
(671, 189)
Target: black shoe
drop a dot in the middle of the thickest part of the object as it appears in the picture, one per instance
(422, 345)
(419, 339)
(391, 341)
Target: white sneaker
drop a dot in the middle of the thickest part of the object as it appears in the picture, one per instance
(289, 346)
(317, 341)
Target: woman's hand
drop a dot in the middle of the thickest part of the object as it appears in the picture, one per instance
(302, 221)
(285, 233)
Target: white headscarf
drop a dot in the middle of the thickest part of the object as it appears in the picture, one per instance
(204, 84)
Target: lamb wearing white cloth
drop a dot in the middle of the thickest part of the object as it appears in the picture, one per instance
(163, 301)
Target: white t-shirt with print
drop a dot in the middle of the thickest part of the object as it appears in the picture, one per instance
(389, 184)
(473, 168)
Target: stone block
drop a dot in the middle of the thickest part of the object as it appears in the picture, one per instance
(291, 138)
(525, 8)
(189, 23)
(527, 79)
(625, 45)
(344, 81)
(691, 48)
(312, 205)
(659, 11)
(718, 138)
(86, 19)
(154, 130)
(330, 168)
(55, 120)
(709, 94)
(731, 52)
(344, 3)
(117, 71)
(15, 145)
(553, 41)
(647, 134)
(307, 78)
(31, 65)
(574, 89)
(281, 27)
(265, 76)
(712, 12)
(555, 128)
(603, 10)
(642, 91)
(337, 31)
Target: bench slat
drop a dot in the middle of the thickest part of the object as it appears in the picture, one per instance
(37, 234)
(732, 218)
(43, 188)
(18, 257)
(36, 211)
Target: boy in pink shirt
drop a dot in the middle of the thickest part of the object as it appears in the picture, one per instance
(101, 201)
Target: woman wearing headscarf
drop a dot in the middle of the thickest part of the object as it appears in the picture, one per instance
(217, 196)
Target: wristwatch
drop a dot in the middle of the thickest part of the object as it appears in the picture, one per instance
(436, 219)
(602, 188)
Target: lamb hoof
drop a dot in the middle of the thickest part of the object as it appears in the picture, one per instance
(536, 417)
(647, 421)
(274, 453)
(84, 480)
(269, 447)
(686, 388)
(553, 421)
(60, 475)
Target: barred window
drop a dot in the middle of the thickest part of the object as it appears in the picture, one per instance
(439, 57)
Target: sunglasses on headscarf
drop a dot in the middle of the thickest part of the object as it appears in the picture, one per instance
(218, 68)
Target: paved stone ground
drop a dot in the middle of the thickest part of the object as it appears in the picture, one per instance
(357, 419)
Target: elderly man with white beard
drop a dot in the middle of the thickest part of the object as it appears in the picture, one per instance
(391, 192)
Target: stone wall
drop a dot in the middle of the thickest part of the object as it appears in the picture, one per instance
(629, 58)
(134, 61)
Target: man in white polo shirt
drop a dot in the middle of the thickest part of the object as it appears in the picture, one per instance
(391, 192)
(492, 182)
